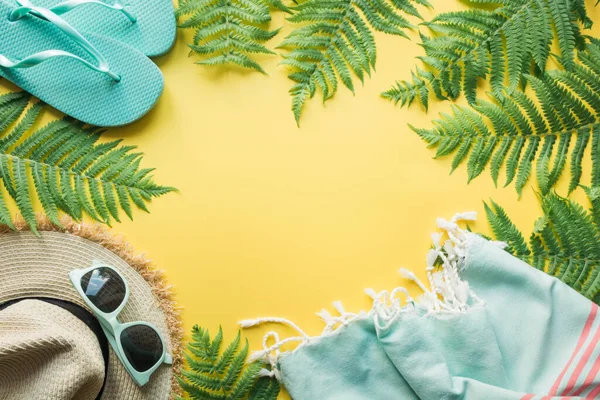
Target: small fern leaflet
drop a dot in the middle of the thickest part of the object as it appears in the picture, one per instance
(565, 242)
(229, 31)
(70, 170)
(336, 41)
(223, 375)
(515, 132)
(265, 389)
(502, 44)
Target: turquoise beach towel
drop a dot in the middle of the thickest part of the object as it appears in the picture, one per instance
(488, 327)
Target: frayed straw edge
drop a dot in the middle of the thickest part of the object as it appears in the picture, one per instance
(100, 234)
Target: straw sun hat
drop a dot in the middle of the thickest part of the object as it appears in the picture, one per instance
(47, 352)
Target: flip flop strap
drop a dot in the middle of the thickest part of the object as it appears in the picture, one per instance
(68, 5)
(42, 56)
(28, 8)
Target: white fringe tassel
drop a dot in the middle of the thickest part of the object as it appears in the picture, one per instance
(447, 293)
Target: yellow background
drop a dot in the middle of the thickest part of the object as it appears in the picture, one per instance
(275, 220)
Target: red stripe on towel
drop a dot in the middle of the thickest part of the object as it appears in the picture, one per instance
(594, 393)
(582, 363)
(582, 338)
(589, 379)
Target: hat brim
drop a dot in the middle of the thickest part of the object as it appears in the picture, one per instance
(32, 266)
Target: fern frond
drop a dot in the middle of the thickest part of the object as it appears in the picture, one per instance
(501, 44)
(265, 389)
(229, 31)
(71, 172)
(565, 242)
(223, 375)
(335, 41)
(523, 133)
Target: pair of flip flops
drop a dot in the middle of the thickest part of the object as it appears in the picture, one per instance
(87, 58)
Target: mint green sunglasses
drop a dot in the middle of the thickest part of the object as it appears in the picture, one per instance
(139, 345)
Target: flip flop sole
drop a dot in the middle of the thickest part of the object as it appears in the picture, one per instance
(153, 33)
(69, 86)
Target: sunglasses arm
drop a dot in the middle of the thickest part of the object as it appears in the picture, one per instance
(168, 359)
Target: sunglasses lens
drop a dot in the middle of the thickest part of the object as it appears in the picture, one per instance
(142, 346)
(105, 288)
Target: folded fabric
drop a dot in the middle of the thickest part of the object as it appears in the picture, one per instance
(92, 78)
(488, 327)
(349, 365)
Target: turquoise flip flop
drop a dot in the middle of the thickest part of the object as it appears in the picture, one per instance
(95, 79)
(147, 25)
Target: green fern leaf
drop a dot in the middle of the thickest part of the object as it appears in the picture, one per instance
(215, 375)
(505, 230)
(523, 133)
(228, 32)
(499, 40)
(565, 242)
(265, 389)
(70, 172)
(335, 41)
(228, 355)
